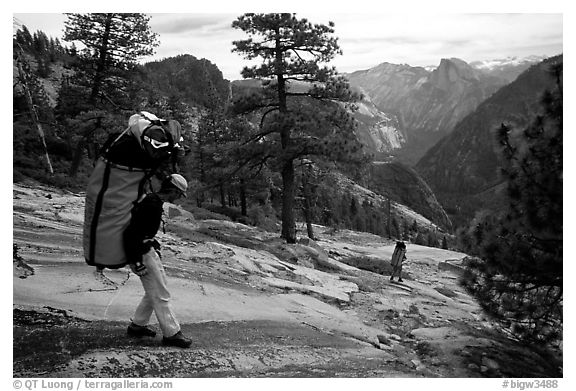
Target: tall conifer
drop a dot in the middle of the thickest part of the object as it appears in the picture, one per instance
(114, 42)
(518, 278)
(297, 105)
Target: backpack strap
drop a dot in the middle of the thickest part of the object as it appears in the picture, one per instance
(147, 179)
(97, 211)
(105, 153)
(143, 182)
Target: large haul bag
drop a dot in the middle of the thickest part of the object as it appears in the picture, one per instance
(110, 194)
(127, 164)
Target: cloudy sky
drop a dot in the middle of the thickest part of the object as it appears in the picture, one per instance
(368, 36)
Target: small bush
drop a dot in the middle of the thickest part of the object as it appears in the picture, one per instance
(420, 240)
(263, 217)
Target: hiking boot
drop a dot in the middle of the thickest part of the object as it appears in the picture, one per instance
(178, 340)
(140, 331)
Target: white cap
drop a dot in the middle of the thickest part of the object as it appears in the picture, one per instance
(179, 182)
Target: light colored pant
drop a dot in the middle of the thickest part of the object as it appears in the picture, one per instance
(156, 297)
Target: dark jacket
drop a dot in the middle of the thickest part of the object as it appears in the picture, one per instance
(144, 224)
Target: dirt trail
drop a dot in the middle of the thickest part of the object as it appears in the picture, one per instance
(252, 305)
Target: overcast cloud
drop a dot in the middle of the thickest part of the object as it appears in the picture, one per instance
(367, 39)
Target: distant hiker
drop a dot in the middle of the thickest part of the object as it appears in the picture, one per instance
(143, 254)
(398, 258)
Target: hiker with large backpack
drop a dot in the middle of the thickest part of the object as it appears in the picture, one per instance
(144, 258)
(122, 214)
(122, 174)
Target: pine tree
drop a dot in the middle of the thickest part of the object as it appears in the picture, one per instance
(296, 120)
(405, 230)
(444, 243)
(420, 240)
(114, 42)
(432, 239)
(24, 38)
(396, 231)
(213, 132)
(40, 43)
(106, 67)
(30, 97)
(519, 277)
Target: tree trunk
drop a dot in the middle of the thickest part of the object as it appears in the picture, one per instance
(288, 222)
(77, 157)
(222, 196)
(101, 65)
(231, 198)
(34, 113)
(243, 203)
(307, 207)
(82, 144)
(389, 220)
(200, 198)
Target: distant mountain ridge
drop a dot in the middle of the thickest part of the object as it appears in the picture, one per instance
(466, 162)
(507, 68)
(426, 105)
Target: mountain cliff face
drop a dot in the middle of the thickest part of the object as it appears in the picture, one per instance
(428, 104)
(378, 132)
(467, 162)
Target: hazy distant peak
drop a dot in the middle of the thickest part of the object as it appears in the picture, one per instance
(505, 62)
